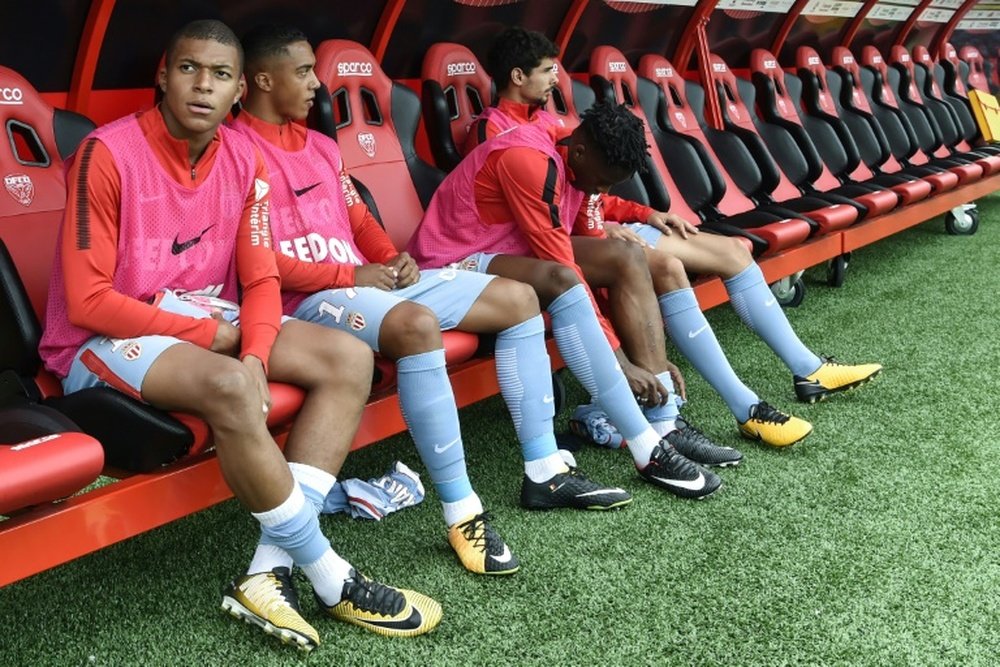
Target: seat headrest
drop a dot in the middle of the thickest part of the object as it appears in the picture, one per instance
(679, 115)
(30, 161)
(465, 85)
(807, 58)
(922, 55)
(948, 54)
(610, 64)
(977, 68)
(764, 64)
(730, 102)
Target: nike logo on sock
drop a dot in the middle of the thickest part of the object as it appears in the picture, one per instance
(770, 302)
(548, 399)
(692, 334)
(441, 449)
(695, 484)
(178, 247)
(504, 557)
(302, 191)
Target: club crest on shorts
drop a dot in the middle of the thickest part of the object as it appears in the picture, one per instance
(367, 142)
(356, 320)
(131, 351)
(20, 187)
(469, 264)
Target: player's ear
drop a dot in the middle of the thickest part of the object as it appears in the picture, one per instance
(161, 79)
(263, 81)
(241, 86)
(517, 76)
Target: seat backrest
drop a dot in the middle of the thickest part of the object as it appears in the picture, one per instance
(857, 112)
(738, 118)
(612, 78)
(38, 139)
(948, 118)
(903, 75)
(876, 79)
(820, 94)
(778, 98)
(376, 123)
(976, 77)
(694, 163)
(950, 73)
(455, 90)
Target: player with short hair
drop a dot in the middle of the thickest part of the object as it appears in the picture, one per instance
(521, 63)
(340, 269)
(166, 226)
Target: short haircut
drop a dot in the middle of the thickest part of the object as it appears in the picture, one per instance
(206, 29)
(517, 48)
(618, 134)
(269, 40)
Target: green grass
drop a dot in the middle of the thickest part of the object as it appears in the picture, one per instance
(873, 542)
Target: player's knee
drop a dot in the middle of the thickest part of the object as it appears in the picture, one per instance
(559, 279)
(521, 300)
(344, 358)
(230, 390)
(734, 255)
(410, 328)
(625, 256)
(668, 272)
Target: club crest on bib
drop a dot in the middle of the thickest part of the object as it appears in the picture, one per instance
(367, 142)
(20, 187)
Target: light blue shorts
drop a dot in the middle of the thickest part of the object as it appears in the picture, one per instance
(122, 363)
(449, 293)
(647, 233)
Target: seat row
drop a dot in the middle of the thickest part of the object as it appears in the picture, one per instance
(793, 165)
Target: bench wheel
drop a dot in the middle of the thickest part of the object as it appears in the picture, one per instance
(836, 270)
(962, 220)
(790, 291)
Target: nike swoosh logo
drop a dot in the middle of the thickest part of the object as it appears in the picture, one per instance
(599, 492)
(178, 247)
(548, 399)
(302, 191)
(441, 449)
(413, 621)
(807, 383)
(693, 485)
(770, 302)
(504, 557)
(692, 334)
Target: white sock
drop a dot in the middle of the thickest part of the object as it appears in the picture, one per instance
(642, 446)
(545, 468)
(327, 576)
(269, 556)
(462, 509)
(663, 426)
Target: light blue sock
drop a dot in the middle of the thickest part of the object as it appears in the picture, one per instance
(428, 405)
(693, 336)
(755, 304)
(668, 411)
(524, 372)
(589, 356)
(294, 527)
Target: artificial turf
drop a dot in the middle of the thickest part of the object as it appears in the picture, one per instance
(875, 541)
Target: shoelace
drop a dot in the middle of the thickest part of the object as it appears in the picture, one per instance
(484, 540)
(765, 413)
(373, 597)
(257, 589)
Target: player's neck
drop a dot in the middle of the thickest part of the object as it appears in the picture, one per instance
(264, 112)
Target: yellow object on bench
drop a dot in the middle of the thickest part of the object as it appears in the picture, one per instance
(987, 111)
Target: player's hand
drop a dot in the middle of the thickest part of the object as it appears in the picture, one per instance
(227, 337)
(408, 273)
(648, 390)
(679, 385)
(256, 368)
(621, 233)
(375, 275)
(665, 221)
